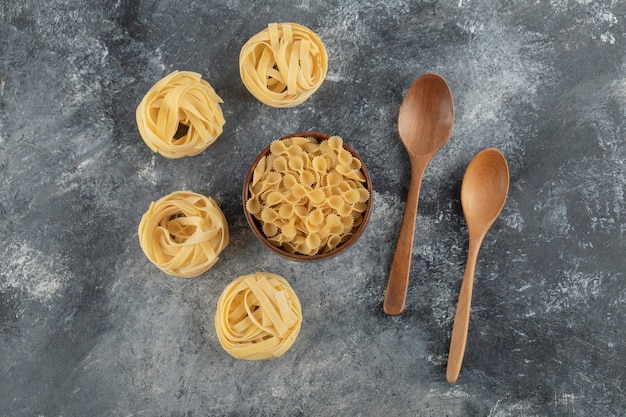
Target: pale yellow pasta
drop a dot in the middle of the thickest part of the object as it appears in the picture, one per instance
(269, 215)
(344, 210)
(258, 317)
(307, 178)
(253, 205)
(316, 217)
(292, 198)
(289, 181)
(270, 229)
(183, 233)
(351, 196)
(350, 173)
(317, 196)
(283, 65)
(259, 170)
(335, 202)
(180, 115)
(334, 240)
(336, 144)
(280, 164)
(306, 202)
(286, 211)
(274, 198)
(347, 222)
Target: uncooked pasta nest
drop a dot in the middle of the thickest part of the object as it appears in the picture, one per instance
(183, 233)
(258, 317)
(308, 196)
(180, 115)
(283, 65)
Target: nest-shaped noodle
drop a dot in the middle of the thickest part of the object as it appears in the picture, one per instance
(258, 317)
(180, 115)
(183, 233)
(283, 65)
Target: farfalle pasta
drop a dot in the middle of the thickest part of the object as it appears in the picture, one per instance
(308, 196)
(283, 65)
(258, 317)
(180, 115)
(183, 233)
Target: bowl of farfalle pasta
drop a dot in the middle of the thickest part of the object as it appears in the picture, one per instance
(307, 196)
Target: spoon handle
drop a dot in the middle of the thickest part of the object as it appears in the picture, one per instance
(395, 295)
(461, 319)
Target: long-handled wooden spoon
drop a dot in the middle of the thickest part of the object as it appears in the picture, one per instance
(425, 124)
(483, 193)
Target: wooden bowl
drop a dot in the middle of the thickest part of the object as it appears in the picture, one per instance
(256, 226)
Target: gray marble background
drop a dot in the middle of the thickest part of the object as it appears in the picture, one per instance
(89, 327)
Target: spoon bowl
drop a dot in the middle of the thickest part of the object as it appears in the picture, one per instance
(483, 194)
(484, 188)
(426, 116)
(425, 123)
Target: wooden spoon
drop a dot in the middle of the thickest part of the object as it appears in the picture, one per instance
(483, 193)
(425, 124)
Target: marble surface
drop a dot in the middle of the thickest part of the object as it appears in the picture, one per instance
(89, 327)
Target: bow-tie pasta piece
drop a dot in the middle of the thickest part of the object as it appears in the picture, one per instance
(258, 317)
(183, 233)
(283, 65)
(180, 115)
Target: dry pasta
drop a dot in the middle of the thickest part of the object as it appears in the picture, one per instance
(258, 317)
(283, 65)
(180, 115)
(308, 196)
(183, 233)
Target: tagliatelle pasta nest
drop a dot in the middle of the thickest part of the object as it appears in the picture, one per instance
(258, 317)
(180, 115)
(183, 233)
(308, 196)
(283, 65)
